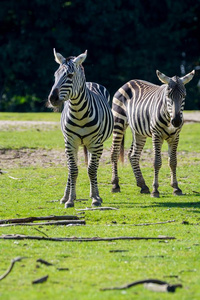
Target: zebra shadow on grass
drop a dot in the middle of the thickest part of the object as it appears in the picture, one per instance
(180, 203)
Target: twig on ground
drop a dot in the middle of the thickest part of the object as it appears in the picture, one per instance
(40, 280)
(118, 250)
(42, 261)
(32, 219)
(97, 208)
(77, 222)
(41, 231)
(4, 172)
(76, 239)
(148, 224)
(81, 199)
(13, 261)
(166, 287)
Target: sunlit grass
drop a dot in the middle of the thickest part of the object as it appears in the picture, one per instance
(35, 191)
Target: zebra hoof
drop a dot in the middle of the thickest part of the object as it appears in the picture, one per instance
(177, 192)
(145, 190)
(115, 188)
(63, 200)
(69, 204)
(155, 195)
(96, 203)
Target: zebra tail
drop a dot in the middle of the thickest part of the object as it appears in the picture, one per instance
(85, 155)
(121, 154)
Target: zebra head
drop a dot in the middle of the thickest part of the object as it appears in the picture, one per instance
(175, 95)
(69, 78)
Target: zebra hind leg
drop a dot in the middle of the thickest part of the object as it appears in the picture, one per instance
(65, 198)
(157, 144)
(134, 157)
(117, 150)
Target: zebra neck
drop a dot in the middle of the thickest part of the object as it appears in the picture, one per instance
(160, 106)
(80, 106)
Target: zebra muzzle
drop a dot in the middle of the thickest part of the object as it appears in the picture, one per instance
(177, 120)
(54, 98)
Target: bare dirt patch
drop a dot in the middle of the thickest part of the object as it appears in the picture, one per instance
(27, 125)
(47, 158)
(23, 158)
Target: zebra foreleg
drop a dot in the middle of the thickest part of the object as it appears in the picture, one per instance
(172, 152)
(70, 190)
(157, 163)
(134, 157)
(92, 173)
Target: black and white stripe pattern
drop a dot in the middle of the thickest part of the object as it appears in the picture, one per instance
(150, 111)
(86, 120)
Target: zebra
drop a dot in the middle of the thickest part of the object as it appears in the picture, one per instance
(151, 111)
(86, 120)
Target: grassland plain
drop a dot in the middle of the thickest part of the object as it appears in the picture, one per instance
(32, 154)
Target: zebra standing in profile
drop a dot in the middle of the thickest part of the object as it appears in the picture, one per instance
(150, 111)
(86, 120)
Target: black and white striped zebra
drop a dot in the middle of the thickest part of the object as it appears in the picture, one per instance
(150, 111)
(86, 120)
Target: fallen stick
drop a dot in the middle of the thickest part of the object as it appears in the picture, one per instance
(74, 222)
(148, 224)
(166, 286)
(40, 280)
(97, 208)
(76, 239)
(13, 261)
(41, 231)
(42, 261)
(32, 219)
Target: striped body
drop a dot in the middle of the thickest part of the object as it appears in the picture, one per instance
(150, 111)
(86, 120)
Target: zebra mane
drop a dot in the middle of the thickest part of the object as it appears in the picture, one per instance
(69, 58)
(72, 57)
(175, 84)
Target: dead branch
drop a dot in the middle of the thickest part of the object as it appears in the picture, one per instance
(41, 231)
(148, 224)
(76, 239)
(13, 261)
(40, 280)
(117, 251)
(42, 261)
(167, 286)
(81, 199)
(32, 219)
(74, 222)
(97, 208)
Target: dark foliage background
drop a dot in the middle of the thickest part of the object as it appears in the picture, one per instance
(125, 40)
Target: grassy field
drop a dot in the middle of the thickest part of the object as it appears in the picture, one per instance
(80, 269)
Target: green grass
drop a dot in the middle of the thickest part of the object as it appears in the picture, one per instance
(53, 117)
(91, 265)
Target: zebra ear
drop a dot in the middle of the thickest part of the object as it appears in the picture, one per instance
(185, 79)
(80, 59)
(162, 77)
(58, 57)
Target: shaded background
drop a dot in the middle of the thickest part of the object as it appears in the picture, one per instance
(125, 40)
